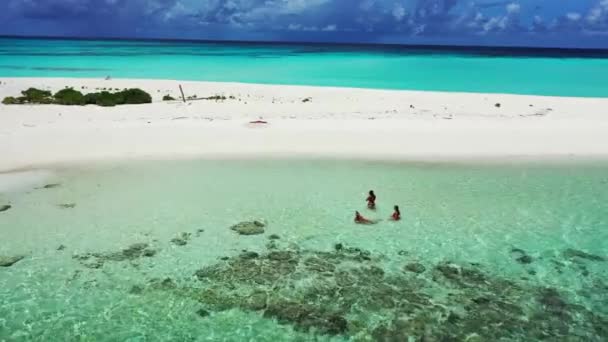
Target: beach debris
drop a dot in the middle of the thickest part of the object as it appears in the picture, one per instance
(216, 98)
(497, 105)
(249, 227)
(5, 207)
(67, 205)
(258, 122)
(168, 98)
(182, 92)
(521, 256)
(8, 261)
(308, 99)
(182, 239)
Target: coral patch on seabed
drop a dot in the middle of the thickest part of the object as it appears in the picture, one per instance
(97, 260)
(337, 293)
(249, 228)
(182, 239)
(8, 261)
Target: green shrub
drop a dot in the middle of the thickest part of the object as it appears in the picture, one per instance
(106, 99)
(134, 96)
(90, 98)
(33, 95)
(168, 98)
(69, 97)
(10, 101)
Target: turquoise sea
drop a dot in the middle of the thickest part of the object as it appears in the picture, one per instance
(143, 251)
(506, 70)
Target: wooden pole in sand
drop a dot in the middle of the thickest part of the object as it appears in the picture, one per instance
(182, 91)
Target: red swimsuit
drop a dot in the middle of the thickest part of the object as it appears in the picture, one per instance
(361, 219)
(371, 201)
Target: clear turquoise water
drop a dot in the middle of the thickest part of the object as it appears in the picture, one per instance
(467, 214)
(505, 71)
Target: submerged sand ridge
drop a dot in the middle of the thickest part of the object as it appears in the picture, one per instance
(300, 122)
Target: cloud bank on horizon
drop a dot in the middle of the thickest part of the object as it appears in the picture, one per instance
(562, 23)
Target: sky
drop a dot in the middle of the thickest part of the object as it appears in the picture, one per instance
(536, 23)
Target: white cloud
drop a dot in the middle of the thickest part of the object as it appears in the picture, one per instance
(513, 8)
(573, 16)
(299, 27)
(330, 28)
(598, 15)
(398, 12)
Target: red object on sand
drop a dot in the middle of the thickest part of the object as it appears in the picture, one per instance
(258, 122)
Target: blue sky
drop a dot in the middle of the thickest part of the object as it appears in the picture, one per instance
(561, 23)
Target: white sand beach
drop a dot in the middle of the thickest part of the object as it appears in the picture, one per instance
(301, 122)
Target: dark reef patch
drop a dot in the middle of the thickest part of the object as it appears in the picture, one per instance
(133, 252)
(335, 292)
(521, 256)
(577, 255)
(8, 261)
(249, 228)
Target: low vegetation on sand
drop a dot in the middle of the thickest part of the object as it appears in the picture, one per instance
(168, 98)
(71, 97)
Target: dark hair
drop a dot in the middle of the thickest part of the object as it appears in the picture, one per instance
(371, 192)
(397, 208)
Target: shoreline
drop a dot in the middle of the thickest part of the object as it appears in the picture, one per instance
(223, 84)
(303, 123)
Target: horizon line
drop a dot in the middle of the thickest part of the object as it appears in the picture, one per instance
(283, 42)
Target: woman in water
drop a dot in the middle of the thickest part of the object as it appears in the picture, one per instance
(371, 200)
(362, 220)
(396, 215)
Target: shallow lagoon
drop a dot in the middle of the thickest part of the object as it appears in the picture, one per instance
(481, 218)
